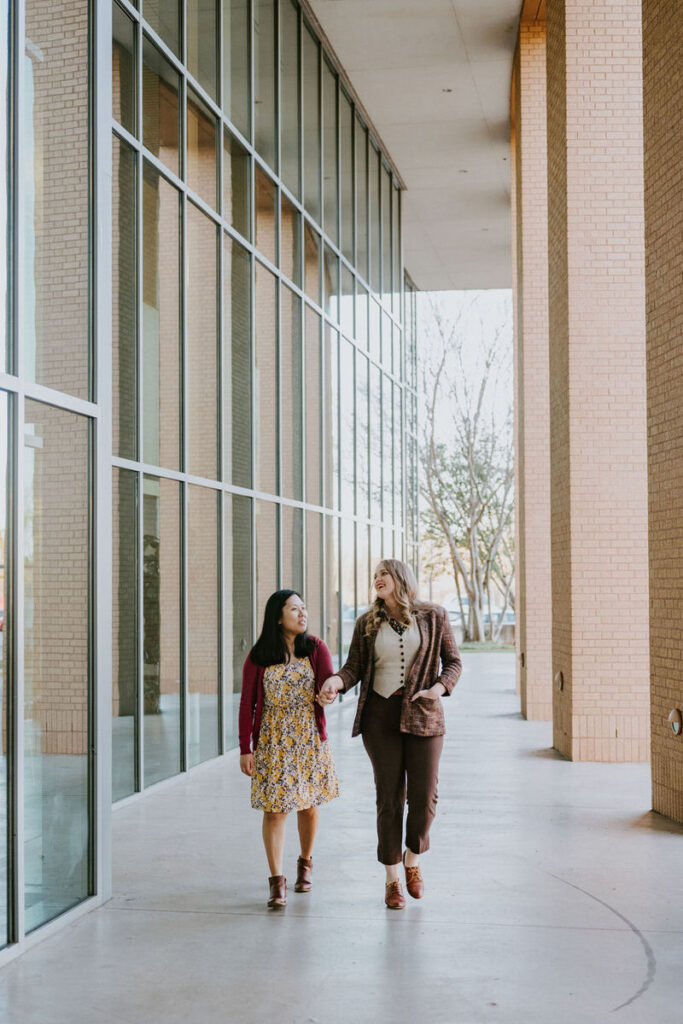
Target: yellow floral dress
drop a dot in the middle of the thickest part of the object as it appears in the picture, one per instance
(293, 767)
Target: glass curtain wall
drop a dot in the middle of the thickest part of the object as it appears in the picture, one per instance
(260, 390)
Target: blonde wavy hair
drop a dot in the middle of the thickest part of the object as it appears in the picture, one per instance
(405, 594)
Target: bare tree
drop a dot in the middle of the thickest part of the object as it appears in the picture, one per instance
(467, 459)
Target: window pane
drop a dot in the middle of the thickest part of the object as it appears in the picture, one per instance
(364, 568)
(201, 149)
(312, 134)
(375, 405)
(160, 109)
(164, 17)
(332, 593)
(375, 223)
(398, 460)
(236, 185)
(331, 431)
(54, 138)
(362, 439)
(202, 344)
(396, 253)
(161, 291)
(123, 69)
(290, 147)
(387, 340)
(237, 363)
(264, 81)
(236, 73)
(266, 556)
(202, 43)
(362, 198)
(387, 428)
(331, 283)
(124, 632)
(161, 644)
(238, 610)
(202, 623)
(314, 426)
(375, 330)
(124, 300)
(361, 315)
(290, 240)
(376, 554)
(347, 562)
(56, 654)
(5, 626)
(386, 234)
(348, 426)
(312, 263)
(266, 380)
(347, 302)
(313, 593)
(293, 548)
(266, 216)
(346, 168)
(5, 170)
(330, 170)
(291, 392)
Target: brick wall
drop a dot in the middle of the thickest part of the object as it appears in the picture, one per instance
(663, 99)
(597, 374)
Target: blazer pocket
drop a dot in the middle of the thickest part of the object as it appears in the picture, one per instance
(428, 716)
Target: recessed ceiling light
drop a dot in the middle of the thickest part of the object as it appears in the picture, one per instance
(462, 171)
(446, 90)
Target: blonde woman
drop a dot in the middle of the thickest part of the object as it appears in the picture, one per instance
(405, 657)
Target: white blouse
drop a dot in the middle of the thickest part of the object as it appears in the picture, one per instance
(394, 657)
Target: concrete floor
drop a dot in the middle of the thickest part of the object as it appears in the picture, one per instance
(553, 895)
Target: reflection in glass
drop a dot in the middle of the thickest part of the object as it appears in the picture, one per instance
(266, 215)
(313, 591)
(236, 73)
(313, 391)
(56, 711)
(347, 301)
(361, 315)
(375, 220)
(236, 209)
(264, 81)
(164, 17)
(202, 43)
(265, 384)
(124, 651)
(398, 459)
(331, 413)
(123, 69)
(330, 154)
(291, 391)
(364, 569)
(236, 363)
(387, 427)
(362, 199)
(5, 626)
(202, 345)
(293, 549)
(375, 443)
(160, 107)
(347, 561)
(362, 435)
(201, 149)
(347, 401)
(267, 556)
(161, 290)
(289, 95)
(387, 341)
(54, 142)
(124, 300)
(238, 607)
(311, 263)
(396, 252)
(332, 594)
(375, 330)
(290, 240)
(346, 173)
(161, 637)
(386, 234)
(331, 283)
(5, 170)
(376, 550)
(203, 606)
(312, 134)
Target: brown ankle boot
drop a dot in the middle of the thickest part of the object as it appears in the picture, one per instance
(393, 896)
(278, 891)
(304, 875)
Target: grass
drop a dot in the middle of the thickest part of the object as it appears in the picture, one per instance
(486, 647)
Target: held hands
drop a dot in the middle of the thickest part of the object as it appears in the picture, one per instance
(247, 764)
(329, 690)
(433, 693)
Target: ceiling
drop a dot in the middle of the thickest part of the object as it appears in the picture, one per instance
(434, 77)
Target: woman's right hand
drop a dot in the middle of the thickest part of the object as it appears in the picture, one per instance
(329, 690)
(247, 764)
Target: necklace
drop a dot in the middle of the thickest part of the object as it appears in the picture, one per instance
(398, 627)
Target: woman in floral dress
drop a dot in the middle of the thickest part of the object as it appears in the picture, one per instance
(283, 737)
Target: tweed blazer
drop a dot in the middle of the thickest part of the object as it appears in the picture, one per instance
(437, 661)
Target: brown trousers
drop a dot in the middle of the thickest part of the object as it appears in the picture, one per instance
(403, 764)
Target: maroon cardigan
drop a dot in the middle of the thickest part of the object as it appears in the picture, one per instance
(251, 701)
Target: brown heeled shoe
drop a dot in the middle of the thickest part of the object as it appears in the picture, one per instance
(414, 880)
(304, 875)
(393, 896)
(278, 891)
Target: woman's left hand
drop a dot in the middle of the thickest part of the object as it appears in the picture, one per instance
(433, 693)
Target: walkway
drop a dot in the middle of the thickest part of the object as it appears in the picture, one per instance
(553, 895)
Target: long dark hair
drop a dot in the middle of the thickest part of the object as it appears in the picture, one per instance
(270, 648)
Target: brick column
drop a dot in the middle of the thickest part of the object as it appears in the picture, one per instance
(597, 374)
(663, 97)
(532, 427)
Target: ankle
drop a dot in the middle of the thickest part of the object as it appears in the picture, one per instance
(410, 859)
